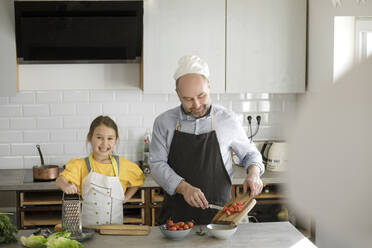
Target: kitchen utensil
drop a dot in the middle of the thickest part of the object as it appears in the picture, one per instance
(44, 172)
(215, 207)
(117, 229)
(71, 217)
(175, 235)
(235, 218)
(221, 231)
(277, 157)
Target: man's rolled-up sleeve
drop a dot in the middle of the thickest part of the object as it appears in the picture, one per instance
(163, 174)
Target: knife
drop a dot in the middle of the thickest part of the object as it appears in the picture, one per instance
(215, 206)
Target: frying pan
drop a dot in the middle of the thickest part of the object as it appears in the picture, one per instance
(44, 172)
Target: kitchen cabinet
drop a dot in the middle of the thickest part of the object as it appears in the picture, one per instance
(265, 46)
(8, 63)
(44, 208)
(173, 29)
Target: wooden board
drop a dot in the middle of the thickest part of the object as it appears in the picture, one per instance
(112, 229)
(235, 218)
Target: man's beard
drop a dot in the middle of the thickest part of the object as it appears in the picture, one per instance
(204, 111)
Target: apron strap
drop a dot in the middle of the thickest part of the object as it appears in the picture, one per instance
(87, 163)
(115, 156)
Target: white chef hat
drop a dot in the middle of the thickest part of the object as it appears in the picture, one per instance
(191, 64)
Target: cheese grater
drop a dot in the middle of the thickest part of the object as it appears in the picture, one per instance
(71, 214)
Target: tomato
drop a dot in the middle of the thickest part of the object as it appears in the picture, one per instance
(228, 213)
(181, 223)
(190, 224)
(234, 205)
(170, 223)
(173, 228)
(224, 209)
(239, 203)
(185, 227)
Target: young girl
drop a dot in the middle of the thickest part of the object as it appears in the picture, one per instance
(102, 178)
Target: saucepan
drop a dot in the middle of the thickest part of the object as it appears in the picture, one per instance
(44, 172)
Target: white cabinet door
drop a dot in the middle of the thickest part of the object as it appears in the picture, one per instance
(266, 46)
(173, 28)
(8, 63)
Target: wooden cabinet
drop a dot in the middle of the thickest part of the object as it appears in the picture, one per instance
(183, 27)
(265, 46)
(8, 63)
(44, 208)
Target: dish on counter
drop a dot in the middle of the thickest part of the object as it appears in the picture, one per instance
(174, 235)
(221, 231)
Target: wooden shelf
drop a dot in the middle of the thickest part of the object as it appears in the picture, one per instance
(135, 218)
(157, 195)
(40, 218)
(40, 198)
(139, 197)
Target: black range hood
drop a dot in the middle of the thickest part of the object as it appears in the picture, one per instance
(78, 31)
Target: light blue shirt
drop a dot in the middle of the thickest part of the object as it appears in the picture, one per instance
(230, 135)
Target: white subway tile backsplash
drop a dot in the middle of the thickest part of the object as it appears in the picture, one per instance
(129, 121)
(141, 108)
(23, 97)
(36, 110)
(128, 96)
(252, 96)
(76, 122)
(101, 96)
(24, 149)
(269, 106)
(75, 96)
(244, 106)
(49, 122)
(22, 123)
(4, 123)
(81, 134)
(11, 162)
(62, 135)
(51, 149)
(136, 134)
(10, 110)
(10, 136)
(232, 97)
(36, 136)
(63, 109)
(49, 97)
(94, 109)
(30, 161)
(114, 108)
(152, 98)
(4, 150)
(75, 148)
(59, 120)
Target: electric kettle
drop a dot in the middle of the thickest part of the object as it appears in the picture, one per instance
(277, 157)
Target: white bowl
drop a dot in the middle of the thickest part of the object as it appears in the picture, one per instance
(221, 231)
(175, 235)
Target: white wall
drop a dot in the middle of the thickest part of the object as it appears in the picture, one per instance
(58, 120)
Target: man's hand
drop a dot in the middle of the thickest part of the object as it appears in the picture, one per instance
(253, 181)
(192, 195)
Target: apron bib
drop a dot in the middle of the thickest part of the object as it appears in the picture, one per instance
(196, 158)
(103, 197)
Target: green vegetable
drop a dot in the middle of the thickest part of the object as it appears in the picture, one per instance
(7, 230)
(56, 240)
(62, 242)
(34, 241)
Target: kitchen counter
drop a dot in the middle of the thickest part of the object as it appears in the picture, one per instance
(254, 235)
(21, 179)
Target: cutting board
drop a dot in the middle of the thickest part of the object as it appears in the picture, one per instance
(117, 229)
(235, 218)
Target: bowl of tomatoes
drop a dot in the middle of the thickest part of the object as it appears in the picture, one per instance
(176, 230)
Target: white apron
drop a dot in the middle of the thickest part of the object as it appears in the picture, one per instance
(103, 197)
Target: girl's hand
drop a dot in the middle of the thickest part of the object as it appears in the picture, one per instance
(71, 189)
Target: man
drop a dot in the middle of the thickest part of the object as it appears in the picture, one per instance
(190, 149)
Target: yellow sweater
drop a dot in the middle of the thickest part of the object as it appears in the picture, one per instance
(130, 174)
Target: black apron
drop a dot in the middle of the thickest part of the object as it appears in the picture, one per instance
(196, 158)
